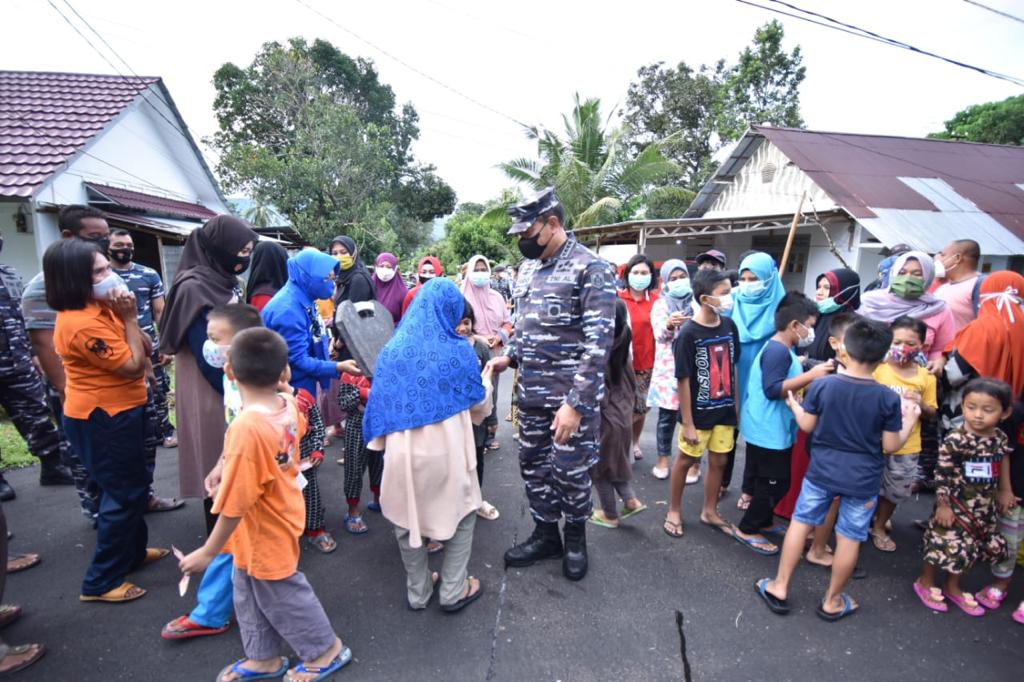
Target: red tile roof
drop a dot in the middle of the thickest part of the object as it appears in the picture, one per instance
(150, 203)
(45, 118)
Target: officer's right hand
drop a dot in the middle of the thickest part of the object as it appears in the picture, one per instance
(500, 364)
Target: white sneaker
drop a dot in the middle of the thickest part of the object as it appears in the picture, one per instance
(660, 473)
(693, 476)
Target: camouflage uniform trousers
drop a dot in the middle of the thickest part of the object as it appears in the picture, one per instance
(557, 476)
(153, 434)
(164, 428)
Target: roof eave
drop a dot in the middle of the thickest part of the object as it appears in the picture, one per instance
(727, 170)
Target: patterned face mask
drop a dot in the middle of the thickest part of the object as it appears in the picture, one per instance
(904, 355)
(215, 354)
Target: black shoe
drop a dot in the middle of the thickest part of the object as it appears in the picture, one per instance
(544, 543)
(6, 491)
(574, 563)
(55, 474)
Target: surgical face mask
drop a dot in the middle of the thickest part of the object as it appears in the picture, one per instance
(725, 304)
(805, 341)
(907, 286)
(639, 282)
(479, 279)
(346, 261)
(679, 288)
(940, 268)
(385, 274)
(105, 289)
(122, 256)
(748, 289)
(828, 305)
(215, 354)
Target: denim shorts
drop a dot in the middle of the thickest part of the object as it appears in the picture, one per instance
(854, 512)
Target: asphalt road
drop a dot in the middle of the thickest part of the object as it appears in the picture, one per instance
(531, 624)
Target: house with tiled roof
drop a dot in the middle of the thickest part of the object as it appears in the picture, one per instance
(858, 196)
(114, 142)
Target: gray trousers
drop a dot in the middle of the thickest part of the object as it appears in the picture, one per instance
(273, 614)
(606, 495)
(453, 571)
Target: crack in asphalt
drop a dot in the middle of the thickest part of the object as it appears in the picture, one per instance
(687, 674)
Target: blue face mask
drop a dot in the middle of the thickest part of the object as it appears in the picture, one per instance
(748, 289)
(324, 289)
(828, 305)
(679, 288)
(639, 282)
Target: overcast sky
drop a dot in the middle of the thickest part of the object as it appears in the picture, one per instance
(527, 59)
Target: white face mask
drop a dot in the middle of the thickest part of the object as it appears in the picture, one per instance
(105, 289)
(215, 354)
(725, 304)
(479, 279)
(805, 341)
(940, 269)
(385, 274)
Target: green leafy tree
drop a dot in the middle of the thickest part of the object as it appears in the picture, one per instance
(992, 122)
(315, 133)
(590, 166)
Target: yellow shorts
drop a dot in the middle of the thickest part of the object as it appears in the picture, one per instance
(720, 439)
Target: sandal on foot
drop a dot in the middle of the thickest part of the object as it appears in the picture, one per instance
(1018, 615)
(626, 512)
(32, 652)
(744, 502)
(660, 473)
(355, 524)
(21, 562)
(154, 554)
(171, 442)
(673, 529)
(777, 529)
(163, 504)
(723, 526)
(990, 597)
(323, 542)
(637, 454)
(246, 674)
(323, 671)
(494, 445)
(468, 599)
(965, 602)
(693, 476)
(8, 614)
(931, 597)
(184, 627)
(599, 519)
(487, 511)
(774, 604)
(847, 610)
(123, 592)
(882, 542)
(759, 545)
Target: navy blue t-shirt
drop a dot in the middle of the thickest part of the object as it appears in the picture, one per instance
(846, 446)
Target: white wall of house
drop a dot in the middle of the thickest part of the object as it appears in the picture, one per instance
(19, 247)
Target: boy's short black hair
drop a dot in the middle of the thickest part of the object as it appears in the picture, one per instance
(794, 307)
(1000, 390)
(914, 325)
(239, 316)
(867, 340)
(839, 323)
(705, 281)
(467, 313)
(70, 217)
(67, 271)
(258, 357)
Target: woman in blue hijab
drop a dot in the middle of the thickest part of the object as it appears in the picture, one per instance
(757, 296)
(427, 393)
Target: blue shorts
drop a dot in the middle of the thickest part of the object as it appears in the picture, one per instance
(854, 512)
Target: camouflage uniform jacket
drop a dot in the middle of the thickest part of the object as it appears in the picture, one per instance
(564, 329)
(15, 347)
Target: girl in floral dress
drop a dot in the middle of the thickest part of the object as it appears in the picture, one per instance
(972, 481)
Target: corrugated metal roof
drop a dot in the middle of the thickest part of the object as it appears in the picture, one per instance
(904, 189)
(150, 203)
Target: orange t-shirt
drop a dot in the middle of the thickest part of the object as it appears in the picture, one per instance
(260, 485)
(92, 344)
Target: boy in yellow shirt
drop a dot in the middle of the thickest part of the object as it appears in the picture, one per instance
(903, 372)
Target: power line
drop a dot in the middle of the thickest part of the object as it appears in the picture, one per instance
(411, 67)
(995, 11)
(835, 24)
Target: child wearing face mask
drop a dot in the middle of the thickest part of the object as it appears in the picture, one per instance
(766, 423)
(904, 372)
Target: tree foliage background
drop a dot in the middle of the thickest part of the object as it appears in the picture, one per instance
(992, 122)
(315, 133)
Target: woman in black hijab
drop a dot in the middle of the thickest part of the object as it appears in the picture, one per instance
(354, 282)
(268, 273)
(838, 291)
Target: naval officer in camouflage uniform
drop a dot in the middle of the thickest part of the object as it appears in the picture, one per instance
(565, 296)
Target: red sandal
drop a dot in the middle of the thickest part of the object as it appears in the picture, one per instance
(186, 628)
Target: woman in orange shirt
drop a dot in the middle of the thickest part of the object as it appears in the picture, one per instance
(106, 358)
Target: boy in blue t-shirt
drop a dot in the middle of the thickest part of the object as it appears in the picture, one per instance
(852, 421)
(767, 424)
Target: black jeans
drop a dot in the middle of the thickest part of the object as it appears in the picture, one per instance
(769, 470)
(667, 420)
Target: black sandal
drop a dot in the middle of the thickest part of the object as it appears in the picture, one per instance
(467, 600)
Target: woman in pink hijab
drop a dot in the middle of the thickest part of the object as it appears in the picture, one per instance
(493, 325)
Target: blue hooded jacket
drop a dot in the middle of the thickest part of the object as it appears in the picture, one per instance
(292, 314)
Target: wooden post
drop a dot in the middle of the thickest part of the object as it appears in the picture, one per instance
(792, 233)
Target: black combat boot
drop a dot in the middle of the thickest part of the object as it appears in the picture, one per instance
(52, 472)
(574, 563)
(544, 543)
(6, 491)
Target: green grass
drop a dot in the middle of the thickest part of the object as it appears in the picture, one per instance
(13, 451)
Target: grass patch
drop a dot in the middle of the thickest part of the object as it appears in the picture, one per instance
(13, 450)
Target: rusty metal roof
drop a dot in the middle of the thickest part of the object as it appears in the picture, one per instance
(117, 198)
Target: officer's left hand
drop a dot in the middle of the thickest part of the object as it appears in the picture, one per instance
(565, 424)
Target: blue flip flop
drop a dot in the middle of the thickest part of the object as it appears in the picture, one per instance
(351, 527)
(776, 605)
(777, 529)
(246, 674)
(754, 544)
(848, 609)
(324, 671)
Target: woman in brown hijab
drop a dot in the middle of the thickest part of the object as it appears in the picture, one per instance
(213, 258)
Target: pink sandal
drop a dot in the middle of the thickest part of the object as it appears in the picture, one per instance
(966, 603)
(931, 597)
(991, 597)
(1018, 615)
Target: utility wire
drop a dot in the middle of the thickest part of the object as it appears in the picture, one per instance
(995, 11)
(412, 68)
(835, 24)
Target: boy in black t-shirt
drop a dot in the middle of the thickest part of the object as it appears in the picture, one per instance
(706, 352)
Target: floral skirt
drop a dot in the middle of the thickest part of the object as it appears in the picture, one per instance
(643, 385)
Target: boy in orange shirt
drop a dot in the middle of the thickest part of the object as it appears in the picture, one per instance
(261, 516)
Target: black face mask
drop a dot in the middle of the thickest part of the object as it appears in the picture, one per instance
(530, 247)
(426, 278)
(122, 256)
(241, 264)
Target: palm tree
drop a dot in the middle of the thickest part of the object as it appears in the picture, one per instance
(589, 167)
(259, 214)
